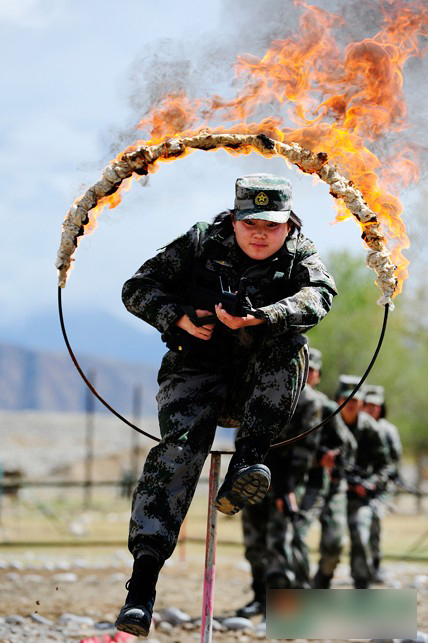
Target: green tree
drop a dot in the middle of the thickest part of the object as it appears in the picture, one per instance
(349, 334)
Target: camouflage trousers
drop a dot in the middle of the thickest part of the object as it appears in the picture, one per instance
(257, 392)
(379, 506)
(360, 516)
(310, 508)
(268, 537)
(333, 531)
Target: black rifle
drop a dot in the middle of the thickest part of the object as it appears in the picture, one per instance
(401, 484)
(355, 476)
(208, 289)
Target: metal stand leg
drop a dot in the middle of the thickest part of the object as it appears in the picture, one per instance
(210, 552)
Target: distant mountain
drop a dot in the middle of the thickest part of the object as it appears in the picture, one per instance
(48, 381)
(93, 332)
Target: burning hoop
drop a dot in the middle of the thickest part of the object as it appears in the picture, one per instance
(141, 160)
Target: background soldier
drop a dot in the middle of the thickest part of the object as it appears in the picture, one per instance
(336, 446)
(374, 405)
(268, 527)
(366, 480)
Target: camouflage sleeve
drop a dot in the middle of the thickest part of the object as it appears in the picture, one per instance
(394, 443)
(379, 458)
(153, 293)
(335, 434)
(313, 296)
(279, 461)
(307, 415)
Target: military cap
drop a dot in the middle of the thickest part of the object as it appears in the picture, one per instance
(374, 394)
(346, 385)
(315, 359)
(263, 196)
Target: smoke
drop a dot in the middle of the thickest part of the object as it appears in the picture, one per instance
(202, 65)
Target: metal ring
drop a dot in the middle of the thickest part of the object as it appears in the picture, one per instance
(273, 446)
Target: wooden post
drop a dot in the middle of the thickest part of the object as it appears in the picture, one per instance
(210, 551)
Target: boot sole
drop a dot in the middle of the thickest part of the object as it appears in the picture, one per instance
(249, 488)
(132, 627)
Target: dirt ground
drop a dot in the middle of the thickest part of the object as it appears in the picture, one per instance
(98, 589)
(87, 580)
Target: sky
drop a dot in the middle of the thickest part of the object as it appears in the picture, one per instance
(76, 77)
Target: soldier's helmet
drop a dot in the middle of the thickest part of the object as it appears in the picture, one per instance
(263, 196)
(346, 385)
(374, 394)
(315, 359)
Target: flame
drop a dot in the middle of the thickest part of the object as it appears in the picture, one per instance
(347, 102)
(110, 201)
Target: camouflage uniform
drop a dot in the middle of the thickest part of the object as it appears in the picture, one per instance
(375, 395)
(250, 378)
(323, 495)
(269, 532)
(381, 505)
(333, 514)
(372, 464)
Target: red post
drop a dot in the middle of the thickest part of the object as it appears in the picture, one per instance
(210, 551)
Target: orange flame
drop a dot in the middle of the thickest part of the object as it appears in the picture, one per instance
(338, 102)
(327, 99)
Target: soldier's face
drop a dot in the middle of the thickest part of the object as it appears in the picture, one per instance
(373, 409)
(260, 239)
(314, 377)
(350, 411)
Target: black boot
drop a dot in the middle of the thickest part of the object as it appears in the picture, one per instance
(361, 583)
(321, 581)
(378, 575)
(257, 605)
(247, 480)
(135, 616)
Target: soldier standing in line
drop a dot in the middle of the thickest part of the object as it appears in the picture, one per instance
(366, 480)
(336, 446)
(268, 527)
(374, 405)
(232, 300)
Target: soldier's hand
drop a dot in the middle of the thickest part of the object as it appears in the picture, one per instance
(279, 504)
(362, 490)
(236, 322)
(287, 504)
(201, 332)
(328, 459)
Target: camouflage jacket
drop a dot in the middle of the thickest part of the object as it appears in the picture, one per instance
(290, 464)
(333, 435)
(372, 462)
(292, 288)
(394, 443)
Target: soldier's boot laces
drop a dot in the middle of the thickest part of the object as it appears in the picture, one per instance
(247, 480)
(135, 616)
